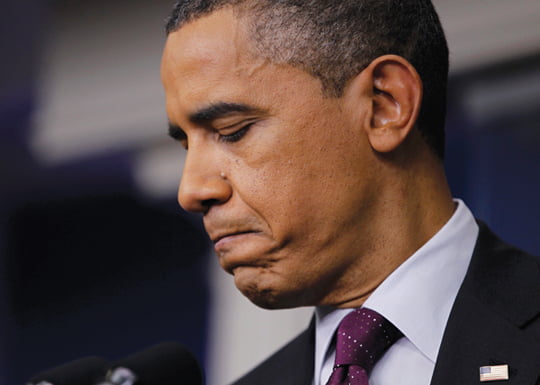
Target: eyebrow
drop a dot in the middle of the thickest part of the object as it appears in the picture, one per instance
(220, 110)
(176, 132)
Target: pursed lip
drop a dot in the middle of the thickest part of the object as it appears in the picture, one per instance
(236, 245)
(227, 234)
(225, 231)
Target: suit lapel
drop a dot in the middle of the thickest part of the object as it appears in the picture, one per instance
(493, 318)
(291, 365)
(298, 366)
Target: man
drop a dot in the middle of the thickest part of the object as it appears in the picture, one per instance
(315, 137)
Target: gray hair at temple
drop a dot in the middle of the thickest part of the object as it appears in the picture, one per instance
(334, 40)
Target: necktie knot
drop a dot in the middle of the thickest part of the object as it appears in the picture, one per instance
(362, 338)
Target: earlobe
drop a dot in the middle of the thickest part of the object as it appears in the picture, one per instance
(396, 102)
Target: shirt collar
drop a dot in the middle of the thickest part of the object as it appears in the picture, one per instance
(418, 296)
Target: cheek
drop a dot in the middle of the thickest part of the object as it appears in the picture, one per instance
(298, 175)
(293, 202)
(294, 173)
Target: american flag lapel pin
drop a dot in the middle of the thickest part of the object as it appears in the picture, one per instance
(493, 373)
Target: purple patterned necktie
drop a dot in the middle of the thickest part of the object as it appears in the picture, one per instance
(361, 340)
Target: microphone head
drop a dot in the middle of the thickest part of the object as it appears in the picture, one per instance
(168, 363)
(84, 371)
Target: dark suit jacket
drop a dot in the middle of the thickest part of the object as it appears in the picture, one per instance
(495, 320)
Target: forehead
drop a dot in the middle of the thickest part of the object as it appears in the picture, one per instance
(203, 53)
(210, 60)
(202, 41)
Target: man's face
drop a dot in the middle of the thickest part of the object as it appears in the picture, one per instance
(281, 174)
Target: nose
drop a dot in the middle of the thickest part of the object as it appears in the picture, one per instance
(202, 184)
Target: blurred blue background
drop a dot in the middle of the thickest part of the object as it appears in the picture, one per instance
(95, 256)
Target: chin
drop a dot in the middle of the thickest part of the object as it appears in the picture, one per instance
(267, 293)
(265, 299)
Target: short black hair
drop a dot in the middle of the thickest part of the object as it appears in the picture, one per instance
(334, 40)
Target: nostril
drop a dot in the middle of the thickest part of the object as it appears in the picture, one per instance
(209, 202)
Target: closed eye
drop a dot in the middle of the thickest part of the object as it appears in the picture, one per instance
(236, 135)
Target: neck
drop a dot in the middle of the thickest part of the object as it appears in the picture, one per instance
(413, 204)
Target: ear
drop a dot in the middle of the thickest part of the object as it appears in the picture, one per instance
(396, 98)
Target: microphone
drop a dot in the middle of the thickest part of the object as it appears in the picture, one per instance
(168, 363)
(84, 371)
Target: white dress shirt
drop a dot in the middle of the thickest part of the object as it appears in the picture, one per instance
(417, 298)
